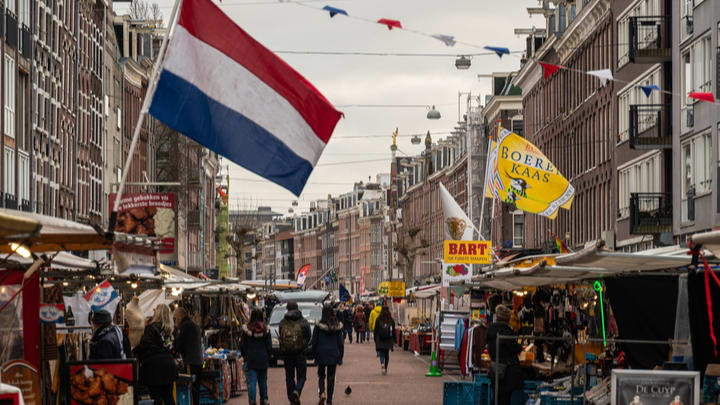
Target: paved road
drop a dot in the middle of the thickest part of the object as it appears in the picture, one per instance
(405, 382)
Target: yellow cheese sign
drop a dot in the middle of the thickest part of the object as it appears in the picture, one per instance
(395, 289)
(468, 251)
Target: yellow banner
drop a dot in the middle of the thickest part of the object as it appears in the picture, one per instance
(383, 288)
(395, 289)
(467, 251)
(521, 175)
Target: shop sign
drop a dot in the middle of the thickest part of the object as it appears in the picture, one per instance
(650, 387)
(23, 375)
(395, 289)
(455, 273)
(468, 251)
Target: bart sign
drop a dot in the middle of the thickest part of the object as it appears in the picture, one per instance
(468, 251)
(521, 175)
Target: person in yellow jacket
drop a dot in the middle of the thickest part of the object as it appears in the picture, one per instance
(374, 315)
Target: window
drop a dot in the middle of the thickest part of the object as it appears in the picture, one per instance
(696, 75)
(23, 177)
(9, 171)
(9, 96)
(646, 34)
(23, 12)
(518, 228)
(696, 168)
(639, 177)
(516, 125)
(635, 96)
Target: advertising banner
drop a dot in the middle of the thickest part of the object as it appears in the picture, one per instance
(395, 289)
(650, 387)
(149, 214)
(101, 382)
(455, 273)
(467, 251)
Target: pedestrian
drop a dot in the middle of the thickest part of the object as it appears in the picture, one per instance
(347, 320)
(367, 309)
(188, 343)
(384, 334)
(157, 364)
(295, 335)
(507, 364)
(359, 324)
(255, 346)
(328, 347)
(374, 315)
(107, 339)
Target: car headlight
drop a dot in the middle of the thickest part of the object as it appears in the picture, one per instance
(275, 342)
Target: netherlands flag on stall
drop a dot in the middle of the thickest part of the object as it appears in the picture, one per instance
(229, 93)
(103, 297)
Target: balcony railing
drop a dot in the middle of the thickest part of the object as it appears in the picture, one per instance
(10, 201)
(25, 205)
(11, 29)
(650, 126)
(25, 39)
(650, 39)
(650, 213)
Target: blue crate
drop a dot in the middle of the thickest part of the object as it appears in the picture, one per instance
(531, 386)
(460, 393)
(484, 387)
(560, 400)
(182, 394)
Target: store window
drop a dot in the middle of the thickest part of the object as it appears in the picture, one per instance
(518, 229)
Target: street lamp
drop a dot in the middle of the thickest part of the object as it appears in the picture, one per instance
(433, 114)
(462, 63)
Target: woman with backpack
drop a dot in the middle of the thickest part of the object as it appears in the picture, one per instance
(359, 324)
(327, 344)
(384, 334)
(255, 346)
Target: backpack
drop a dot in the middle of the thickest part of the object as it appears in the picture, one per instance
(291, 337)
(383, 330)
(358, 323)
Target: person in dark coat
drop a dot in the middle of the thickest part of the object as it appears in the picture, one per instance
(295, 335)
(359, 324)
(157, 364)
(367, 310)
(106, 342)
(188, 343)
(507, 364)
(346, 317)
(255, 346)
(384, 335)
(328, 346)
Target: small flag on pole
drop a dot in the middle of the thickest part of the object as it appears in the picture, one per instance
(302, 275)
(103, 297)
(702, 96)
(232, 95)
(549, 69)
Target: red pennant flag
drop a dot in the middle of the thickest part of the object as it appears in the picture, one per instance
(390, 23)
(549, 69)
(702, 96)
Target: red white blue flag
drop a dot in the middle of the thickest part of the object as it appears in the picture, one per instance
(52, 313)
(103, 297)
(302, 275)
(229, 93)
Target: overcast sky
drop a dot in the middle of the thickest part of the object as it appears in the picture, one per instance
(375, 79)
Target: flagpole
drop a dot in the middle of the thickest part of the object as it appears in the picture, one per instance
(482, 204)
(143, 112)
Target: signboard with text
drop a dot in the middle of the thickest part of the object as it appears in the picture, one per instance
(655, 387)
(23, 375)
(395, 289)
(467, 251)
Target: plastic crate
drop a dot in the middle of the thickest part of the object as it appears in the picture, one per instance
(460, 393)
(484, 387)
(560, 400)
(531, 386)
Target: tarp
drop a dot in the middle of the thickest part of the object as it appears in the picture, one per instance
(426, 291)
(150, 299)
(589, 263)
(709, 240)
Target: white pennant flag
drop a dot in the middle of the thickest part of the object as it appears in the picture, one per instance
(604, 75)
(448, 40)
(457, 224)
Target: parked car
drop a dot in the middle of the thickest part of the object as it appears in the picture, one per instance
(312, 311)
(302, 296)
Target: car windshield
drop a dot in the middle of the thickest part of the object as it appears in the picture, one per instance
(310, 313)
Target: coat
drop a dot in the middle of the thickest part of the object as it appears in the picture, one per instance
(291, 317)
(328, 344)
(157, 364)
(189, 343)
(255, 346)
(387, 343)
(347, 318)
(373, 317)
(359, 321)
(106, 344)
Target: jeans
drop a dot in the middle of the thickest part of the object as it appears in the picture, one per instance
(367, 331)
(195, 389)
(258, 376)
(384, 357)
(347, 333)
(295, 364)
(162, 394)
(359, 336)
(330, 380)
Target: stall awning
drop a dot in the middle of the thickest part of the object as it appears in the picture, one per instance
(708, 240)
(589, 263)
(425, 291)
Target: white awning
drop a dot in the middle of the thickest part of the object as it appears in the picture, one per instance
(589, 263)
(708, 240)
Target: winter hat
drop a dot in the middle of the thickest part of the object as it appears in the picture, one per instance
(502, 313)
(101, 318)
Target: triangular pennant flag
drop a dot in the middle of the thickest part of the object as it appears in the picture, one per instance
(390, 23)
(604, 75)
(334, 11)
(457, 224)
(498, 50)
(549, 69)
(702, 96)
(448, 40)
(648, 89)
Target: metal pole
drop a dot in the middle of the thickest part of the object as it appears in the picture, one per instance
(143, 111)
(484, 185)
(497, 369)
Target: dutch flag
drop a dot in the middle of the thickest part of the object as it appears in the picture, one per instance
(229, 93)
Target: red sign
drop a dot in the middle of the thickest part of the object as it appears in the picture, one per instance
(362, 280)
(150, 214)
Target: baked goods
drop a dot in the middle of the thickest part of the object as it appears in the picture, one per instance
(97, 387)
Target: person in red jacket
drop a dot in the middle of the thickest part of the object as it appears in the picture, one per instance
(359, 324)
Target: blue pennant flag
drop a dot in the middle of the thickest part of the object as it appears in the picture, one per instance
(344, 294)
(648, 89)
(334, 11)
(498, 50)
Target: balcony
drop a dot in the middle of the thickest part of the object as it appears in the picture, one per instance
(650, 39)
(10, 201)
(650, 126)
(193, 221)
(11, 29)
(25, 38)
(25, 205)
(195, 261)
(650, 213)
